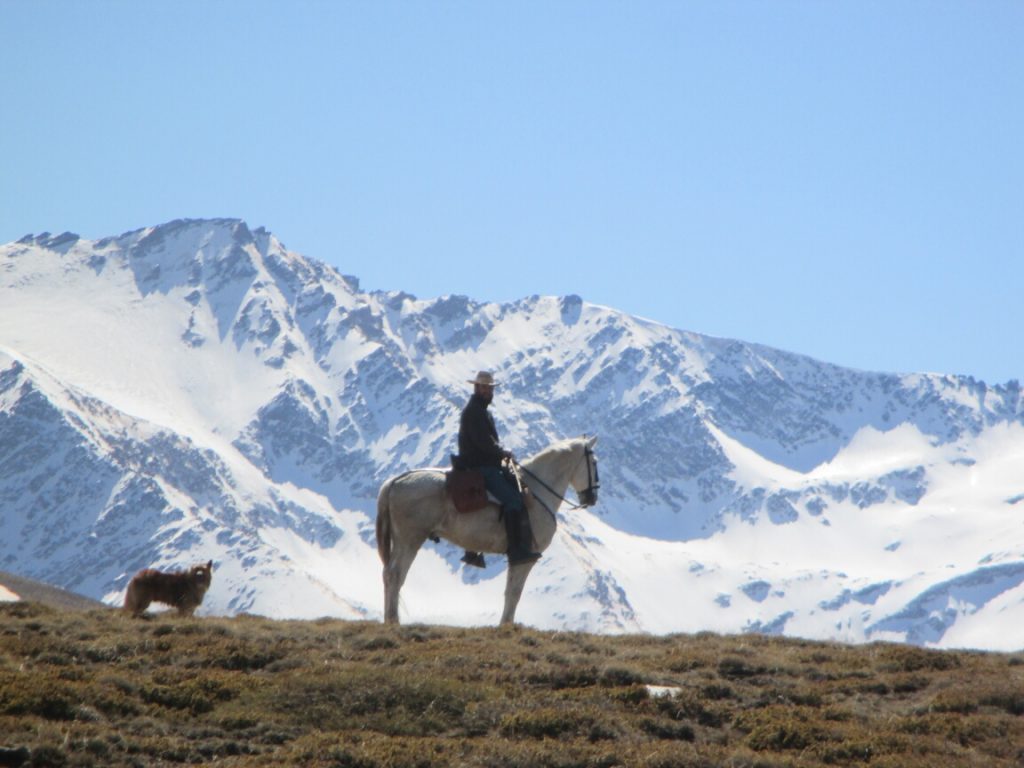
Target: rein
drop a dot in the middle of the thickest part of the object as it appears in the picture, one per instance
(587, 496)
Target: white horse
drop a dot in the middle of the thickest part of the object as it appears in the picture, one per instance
(415, 506)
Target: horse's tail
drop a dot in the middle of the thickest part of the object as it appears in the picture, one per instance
(384, 522)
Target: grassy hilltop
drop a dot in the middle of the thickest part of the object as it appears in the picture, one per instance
(98, 689)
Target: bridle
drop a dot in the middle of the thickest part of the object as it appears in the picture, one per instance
(587, 497)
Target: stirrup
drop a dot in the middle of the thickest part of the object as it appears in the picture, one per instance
(476, 559)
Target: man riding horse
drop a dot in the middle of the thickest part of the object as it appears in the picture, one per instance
(479, 448)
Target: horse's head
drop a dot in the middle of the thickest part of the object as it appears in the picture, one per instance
(585, 480)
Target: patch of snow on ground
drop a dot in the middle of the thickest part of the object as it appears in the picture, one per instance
(6, 596)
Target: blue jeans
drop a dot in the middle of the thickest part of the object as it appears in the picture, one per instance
(502, 490)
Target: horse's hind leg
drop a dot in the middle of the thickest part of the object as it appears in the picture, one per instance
(514, 583)
(394, 577)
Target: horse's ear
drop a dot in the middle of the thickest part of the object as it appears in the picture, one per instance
(592, 440)
(209, 565)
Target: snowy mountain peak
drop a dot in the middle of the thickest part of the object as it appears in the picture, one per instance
(195, 390)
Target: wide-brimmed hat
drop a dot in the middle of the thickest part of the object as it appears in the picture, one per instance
(485, 378)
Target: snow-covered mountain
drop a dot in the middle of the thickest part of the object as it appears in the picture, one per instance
(195, 391)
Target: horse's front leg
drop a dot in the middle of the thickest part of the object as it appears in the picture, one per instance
(514, 583)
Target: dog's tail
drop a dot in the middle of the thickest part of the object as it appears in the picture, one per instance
(384, 522)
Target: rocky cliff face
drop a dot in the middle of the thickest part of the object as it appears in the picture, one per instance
(195, 390)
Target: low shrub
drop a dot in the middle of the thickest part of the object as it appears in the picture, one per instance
(96, 689)
(541, 723)
(668, 729)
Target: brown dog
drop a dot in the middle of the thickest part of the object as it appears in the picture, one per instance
(183, 590)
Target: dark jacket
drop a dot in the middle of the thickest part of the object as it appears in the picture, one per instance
(478, 437)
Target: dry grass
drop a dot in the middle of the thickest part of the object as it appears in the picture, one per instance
(99, 689)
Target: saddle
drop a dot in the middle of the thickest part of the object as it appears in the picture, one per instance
(467, 488)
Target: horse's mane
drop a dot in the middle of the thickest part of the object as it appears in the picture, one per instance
(562, 446)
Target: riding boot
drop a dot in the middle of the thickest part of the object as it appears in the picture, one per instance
(520, 538)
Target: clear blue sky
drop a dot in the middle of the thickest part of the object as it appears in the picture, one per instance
(839, 179)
